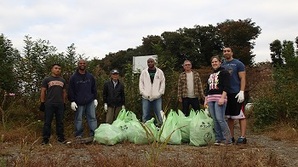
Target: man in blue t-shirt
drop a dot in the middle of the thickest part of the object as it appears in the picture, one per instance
(235, 109)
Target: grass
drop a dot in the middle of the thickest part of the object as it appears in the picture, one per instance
(21, 147)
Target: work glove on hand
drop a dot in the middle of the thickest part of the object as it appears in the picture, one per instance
(123, 107)
(42, 106)
(73, 106)
(105, 107)
(95, 103)
(240, 96)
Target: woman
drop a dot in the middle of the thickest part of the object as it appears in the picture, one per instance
(217, 87)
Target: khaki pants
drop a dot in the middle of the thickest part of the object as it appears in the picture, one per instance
(112, 114)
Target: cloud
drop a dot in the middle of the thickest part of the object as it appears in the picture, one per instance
(99, 27)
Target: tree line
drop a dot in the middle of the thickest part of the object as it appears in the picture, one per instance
(23, 71)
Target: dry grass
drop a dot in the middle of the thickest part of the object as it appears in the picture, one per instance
(21, 147)
(282, 131)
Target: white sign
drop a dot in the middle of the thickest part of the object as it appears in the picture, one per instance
(140, 62)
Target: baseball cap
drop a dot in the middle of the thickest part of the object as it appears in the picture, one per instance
(114, 71)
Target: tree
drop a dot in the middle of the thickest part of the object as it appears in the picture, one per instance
(275, 48)
(8, 60)
(240, 35)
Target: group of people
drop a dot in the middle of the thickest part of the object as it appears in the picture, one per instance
(82, 94)
(224, 96)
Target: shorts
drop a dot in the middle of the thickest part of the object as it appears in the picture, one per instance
(234, 110)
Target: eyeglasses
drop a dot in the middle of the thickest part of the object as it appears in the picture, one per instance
(187, 64)
(226, 50)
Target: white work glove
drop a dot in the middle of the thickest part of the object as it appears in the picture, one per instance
(240, 96)
(95, 103)
(73, 106)
(105, 107)
(123, 107)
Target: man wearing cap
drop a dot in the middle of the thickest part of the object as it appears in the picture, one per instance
(113, 96)
(152, 87)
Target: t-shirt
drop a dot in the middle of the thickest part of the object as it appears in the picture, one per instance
(54, 86)
(152, 74)
(233, 67)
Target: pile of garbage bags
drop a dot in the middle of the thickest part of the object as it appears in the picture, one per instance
(195, 129)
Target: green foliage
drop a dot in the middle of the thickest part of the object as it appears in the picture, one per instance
(265, 112)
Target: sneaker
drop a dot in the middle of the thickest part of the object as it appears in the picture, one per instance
(45, 141)
(241, 140)
(233, 140)
(62, 140)
(217, 143)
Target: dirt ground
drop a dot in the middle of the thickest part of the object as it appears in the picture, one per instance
(259, 151)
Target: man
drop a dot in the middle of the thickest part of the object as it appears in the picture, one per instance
(113, 96)
(82, 95)
(234, 110)
(189, 88)
(52, 98)
(152, 87)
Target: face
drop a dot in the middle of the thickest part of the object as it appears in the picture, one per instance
(187, 65)
(228, 54)
(115, 76)
(150, 63)
(215, 63)
(82, 65)
(56, 70)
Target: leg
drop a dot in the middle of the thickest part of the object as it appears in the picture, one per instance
(110, 115)
(220, 117)
(211, 108)
(48, 117)
(242, 123)
(59, 112)
(78, 121)
(195, 104)
(91, 117)
(157, 107)
(116, 112)
(231, 126)
(185, 106)
(146, 110)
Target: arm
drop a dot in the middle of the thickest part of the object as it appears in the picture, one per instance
(162, 84)
(105, 92)
(64, 95)
(242, 76)
(200, 87)
(179, 89)
(43, 94)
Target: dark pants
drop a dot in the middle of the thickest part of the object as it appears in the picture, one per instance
(50, 111)
(186, 102)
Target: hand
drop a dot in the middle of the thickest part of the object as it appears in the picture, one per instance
(123, 107)
(105, 107)
(240, 96)
(42, 106)
(73, 106)
(95, 103)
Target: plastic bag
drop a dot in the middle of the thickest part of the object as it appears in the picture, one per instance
(170, 132)
(201, 130)
(108, 134)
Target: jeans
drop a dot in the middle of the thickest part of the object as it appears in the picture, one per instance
(51, 110)
(186, 102)
(87, 110)
(146, 105)
(221, 128)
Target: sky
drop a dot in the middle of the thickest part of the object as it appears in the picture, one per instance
(100, 27)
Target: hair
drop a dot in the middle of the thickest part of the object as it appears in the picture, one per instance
(55, 64)
(228, 47)
(186, 61)
(215, 57)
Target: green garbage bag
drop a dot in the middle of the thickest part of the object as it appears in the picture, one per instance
(108, 134)
(183, 124)
(170, 131)
(201, 130)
